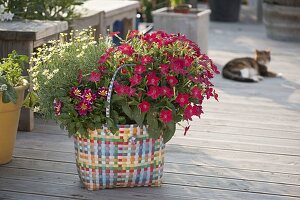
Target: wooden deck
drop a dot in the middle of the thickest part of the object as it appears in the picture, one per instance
(246, 147)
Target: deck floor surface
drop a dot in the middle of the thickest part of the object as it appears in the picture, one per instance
(246, 146)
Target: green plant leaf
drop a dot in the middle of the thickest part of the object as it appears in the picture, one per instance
(31, 100)
(10, 95)
(127, 110)
(138, 116)
(111, 125)
(169, 131)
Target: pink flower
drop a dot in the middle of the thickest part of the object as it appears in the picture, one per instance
(164, 69)
(146, 60)
(166, 116)
(112, 34)
(188, 61)
(75, 92)
(57, 104)
(186, 130)
(216, 96)
(103, 58)
(79, 78)
(197, 110)
(102, 69)
(209, 93)
(121, 89)
(196, 93)
(182, 99)
(166, 91)
(83, 108)
(88, 96)
(177, 65)
(172, 80)
(139, 69)
(188, 112)
(154, 92)
(144, 106)
(131, 91)
(152, 80)
(94, 77)
(135, 80)
(102, 91)
(133, 33)
(126, 49)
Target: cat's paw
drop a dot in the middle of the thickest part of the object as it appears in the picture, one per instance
(279, 75)
(255, 78)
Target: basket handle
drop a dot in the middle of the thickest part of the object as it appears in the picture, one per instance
(111, 85)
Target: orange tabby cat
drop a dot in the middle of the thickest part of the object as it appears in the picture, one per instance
(249, 69)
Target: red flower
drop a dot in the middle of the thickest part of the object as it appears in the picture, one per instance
(102, 91)
(75, 92)
(166, 116)
(188, 61)
(83, 108)
(154, 92)
(135, 80)
(112, 34)
(131, 91)
(124, 71)
(126, 49)
(182, 99)
(164, 69)
(172, 80)
(57, 106)
(166, 91)
(103, 58)
(186, 130)
(133, 33)
(177, 65)
(79, 78)
(197, 110)
(102, 69)
(139, 69)
(188, 112)
(121, 89)
(209, 92)
(146, 60)
(144, 106)
(88, 96)
(94, 77)
(152, 80)
(196, 93)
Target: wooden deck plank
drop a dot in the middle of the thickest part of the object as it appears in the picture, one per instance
(179, 168)
(16, 195)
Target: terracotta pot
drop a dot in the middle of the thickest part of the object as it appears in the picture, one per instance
(9, 119)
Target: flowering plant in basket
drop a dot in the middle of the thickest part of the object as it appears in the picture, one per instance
(157, 80)
(167, 82)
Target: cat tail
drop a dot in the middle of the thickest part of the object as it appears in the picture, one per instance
(236, 77)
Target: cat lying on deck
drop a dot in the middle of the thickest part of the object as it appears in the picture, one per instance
(249, 69)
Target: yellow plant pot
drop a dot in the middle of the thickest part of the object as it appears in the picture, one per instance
(9, 120)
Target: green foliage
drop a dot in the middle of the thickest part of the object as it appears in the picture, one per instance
(11, 76)
(42, 9)
(54, 71)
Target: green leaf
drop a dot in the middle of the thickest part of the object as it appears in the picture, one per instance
(116, 98)
(154, 132)
(138, 116)
(169, 131)
(111, 125)
(127, 110)
(30, 100)
(10, 95)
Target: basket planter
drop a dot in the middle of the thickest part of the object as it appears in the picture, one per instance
(127, 159)
(9, 119)
(194, 24)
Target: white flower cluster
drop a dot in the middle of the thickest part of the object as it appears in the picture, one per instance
(3, 87)
(5, 16)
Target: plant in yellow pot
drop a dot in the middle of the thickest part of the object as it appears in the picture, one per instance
(12, 87)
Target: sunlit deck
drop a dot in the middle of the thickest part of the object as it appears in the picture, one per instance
(246, 147)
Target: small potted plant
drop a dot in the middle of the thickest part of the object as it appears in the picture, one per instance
(12, 87)
(122, 103)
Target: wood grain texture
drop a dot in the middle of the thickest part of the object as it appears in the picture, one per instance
(245, 147)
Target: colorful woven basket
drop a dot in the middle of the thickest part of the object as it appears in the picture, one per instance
(127, 159)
